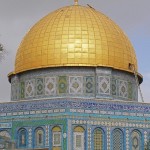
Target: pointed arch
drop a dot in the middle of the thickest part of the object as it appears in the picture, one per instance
(78, 138)
(117, 139)
(39, 137)
(57, 137)
(22, 137)
(98, 139)
(136, 140)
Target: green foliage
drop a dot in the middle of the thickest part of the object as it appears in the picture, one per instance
(1, 48)
(2, 52)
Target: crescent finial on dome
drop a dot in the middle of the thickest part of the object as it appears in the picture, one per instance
(75, 2)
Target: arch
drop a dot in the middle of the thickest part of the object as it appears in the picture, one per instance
(98, 139)
(22, 137)
(78, 138)
(57, 138)
(78, 129)
(56, 129)
(117, 139)
(136, 140)
(39, 137)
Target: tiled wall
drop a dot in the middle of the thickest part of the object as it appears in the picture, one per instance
(74, 82)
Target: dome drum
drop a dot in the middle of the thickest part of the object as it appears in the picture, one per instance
(74, 82)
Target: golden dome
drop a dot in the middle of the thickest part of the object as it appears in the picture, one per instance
(75, 36)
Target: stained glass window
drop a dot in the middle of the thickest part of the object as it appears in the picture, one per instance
(136, 140)
(56, 139)
(117, 139)
(22, 138)
(78, 139)
(39, 134)
(56, 136)
(98, 139)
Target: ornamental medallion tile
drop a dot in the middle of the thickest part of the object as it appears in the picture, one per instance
(123, 89)
(75, 85)
(39, 86)
(29, 88)
(104, 85)
(114, 87)
(62, 84)
(89, 84)
(50, 86)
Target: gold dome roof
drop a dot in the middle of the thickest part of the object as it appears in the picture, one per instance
(75, 36)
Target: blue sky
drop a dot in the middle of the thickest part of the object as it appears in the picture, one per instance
(18, 16)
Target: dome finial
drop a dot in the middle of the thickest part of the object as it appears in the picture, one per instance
(75, 2)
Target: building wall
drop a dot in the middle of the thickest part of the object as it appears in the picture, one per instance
(68, 114)
(102, 83)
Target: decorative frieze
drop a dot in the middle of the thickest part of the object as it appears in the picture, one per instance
(100, 83)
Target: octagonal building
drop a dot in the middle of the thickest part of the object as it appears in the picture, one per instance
(75, 87)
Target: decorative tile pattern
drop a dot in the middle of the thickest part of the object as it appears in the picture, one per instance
(50, 86)
(69, 135)
(108, 138)
(22, 90)
(29, 88)
(117, 140)
(62, 84)
(135, 92)
(114, 87)
(47, 135)
(130, 90)
(123, 89)
(14, 91)
(100, 83)
(89, 84)
(75, 85)
(145, 138)
(136, 140)
(89, 138)
(98, 139)
(39, 86)
(127, 139)
(30, 137)
(104, 85)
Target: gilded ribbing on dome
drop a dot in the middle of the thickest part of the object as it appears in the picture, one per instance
(75, 36)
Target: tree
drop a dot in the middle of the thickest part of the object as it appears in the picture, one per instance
(2, 52)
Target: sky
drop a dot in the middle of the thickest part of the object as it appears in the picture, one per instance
(18, 16)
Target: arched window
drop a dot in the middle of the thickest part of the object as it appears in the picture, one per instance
(56, 137)
(117, 139)
(98, 139)
(136, 140)
(39, 137)
(22, 137)
(78, 138)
